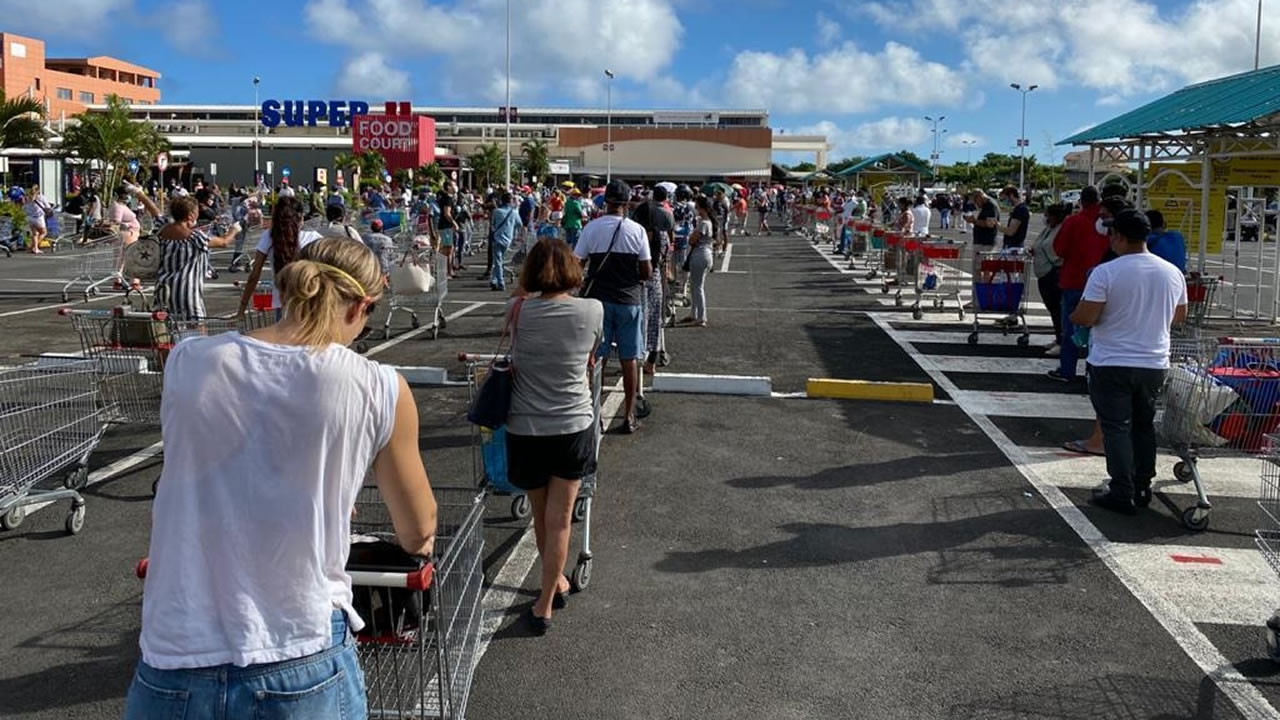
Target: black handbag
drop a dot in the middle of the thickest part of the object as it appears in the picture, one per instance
(492, 403)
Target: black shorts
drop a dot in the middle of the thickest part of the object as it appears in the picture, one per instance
(532, 460)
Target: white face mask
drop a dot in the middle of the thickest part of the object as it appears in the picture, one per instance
(1100, 228)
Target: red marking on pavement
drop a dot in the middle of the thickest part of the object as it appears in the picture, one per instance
(1198, 559)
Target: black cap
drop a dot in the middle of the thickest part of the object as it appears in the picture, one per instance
(617, 191)
(1131, 224)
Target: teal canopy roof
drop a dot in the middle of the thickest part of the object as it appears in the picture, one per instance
(889, 162)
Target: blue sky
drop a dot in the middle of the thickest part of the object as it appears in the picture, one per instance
(864, 73)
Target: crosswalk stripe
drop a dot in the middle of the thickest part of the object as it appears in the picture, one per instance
(962, 338)
(995, 403)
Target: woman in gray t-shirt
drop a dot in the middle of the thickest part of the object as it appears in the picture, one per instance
(551, 432)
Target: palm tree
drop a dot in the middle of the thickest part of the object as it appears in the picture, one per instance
(536, 162)
(372, 166)
(21, 122)
(430, 175)
(110, 139)
(487, 162)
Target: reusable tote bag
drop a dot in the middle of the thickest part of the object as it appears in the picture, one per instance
(492, 403)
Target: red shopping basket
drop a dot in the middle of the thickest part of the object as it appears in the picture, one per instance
(942, 251)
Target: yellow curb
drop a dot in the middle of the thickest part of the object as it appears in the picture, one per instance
(869, 390)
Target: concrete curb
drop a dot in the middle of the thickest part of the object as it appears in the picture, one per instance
(869, 390)
(749, 385)
(423, 375)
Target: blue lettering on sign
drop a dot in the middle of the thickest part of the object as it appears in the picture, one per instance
(296, 113)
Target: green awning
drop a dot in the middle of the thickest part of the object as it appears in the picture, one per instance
(889, 162)
(1226, 102)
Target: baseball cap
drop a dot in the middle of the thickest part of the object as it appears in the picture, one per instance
(617, 191)
(376, 225)
(1130, 223)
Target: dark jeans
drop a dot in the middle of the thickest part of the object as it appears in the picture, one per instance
(1051, 296)
(1125, 400)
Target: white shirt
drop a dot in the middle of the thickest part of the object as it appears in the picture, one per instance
(1141, 292)
(252, 519)
(305, 238)
(921, 215)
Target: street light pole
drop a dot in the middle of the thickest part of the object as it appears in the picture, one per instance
(1022, 137)
(608, 141)
(506, 112)
(934, 156)
(257, 123)
(1257, 38)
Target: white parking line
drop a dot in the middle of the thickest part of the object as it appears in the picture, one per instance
(415, 333)
(1246, 696)
(724, 259)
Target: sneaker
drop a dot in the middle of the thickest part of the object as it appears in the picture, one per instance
(1055, 375)
(1053, 351)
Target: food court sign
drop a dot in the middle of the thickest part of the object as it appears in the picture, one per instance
(405, 140)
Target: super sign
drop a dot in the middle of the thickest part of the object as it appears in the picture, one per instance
(297, 113)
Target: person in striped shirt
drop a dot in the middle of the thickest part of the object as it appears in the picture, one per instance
(184, 255)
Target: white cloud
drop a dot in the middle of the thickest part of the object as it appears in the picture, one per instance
(828, 30)
(890, 133)
(844, 79)
(45, 18)
(190, 26)
(640, 38)
(964, 139)
(1117, 47)
(369, 71)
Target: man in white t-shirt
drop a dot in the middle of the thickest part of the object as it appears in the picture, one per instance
(1130, 302)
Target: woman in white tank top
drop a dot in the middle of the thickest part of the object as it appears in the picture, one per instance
(268, 437)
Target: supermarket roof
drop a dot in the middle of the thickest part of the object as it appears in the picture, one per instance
(1228, 102)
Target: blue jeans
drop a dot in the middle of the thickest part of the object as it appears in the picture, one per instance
(571, 236)
(327, 685)
(1070, 354)
(624, 326)
(499, 258)
(1125, 400)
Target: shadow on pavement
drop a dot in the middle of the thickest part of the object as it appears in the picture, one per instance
(1114, 697)
(862, 475)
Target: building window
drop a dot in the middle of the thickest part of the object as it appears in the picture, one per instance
(64, 93)
(127, 101)
(86, 97)
(17, 49)
(37, 83)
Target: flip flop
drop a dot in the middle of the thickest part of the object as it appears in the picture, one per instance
(1076, 446)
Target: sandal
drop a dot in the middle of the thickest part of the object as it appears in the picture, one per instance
(1078, 447)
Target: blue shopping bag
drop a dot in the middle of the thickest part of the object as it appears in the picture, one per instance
(998, 296)
(493, 450)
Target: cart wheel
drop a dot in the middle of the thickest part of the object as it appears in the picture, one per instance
(1195, 518)
(520, 507)
(75, 520)
(961, 314)
(580, 578)
(1024, 340)
(91, 293)
(155, 485)
(1273, 637)
(917, 314)
(871, 275)
(64, 297)
(884, 289)
(1183, 471)
(973, 338)
(361, 348)
(14, 517)
(415, 322)
(76, 479)
(643, 409)
(937, 303)
(579, 509)
(435, 330)
(441, 320)
(897, 301)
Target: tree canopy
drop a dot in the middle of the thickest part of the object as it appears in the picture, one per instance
(109, 140)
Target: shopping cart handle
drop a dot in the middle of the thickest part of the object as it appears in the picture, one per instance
(141, 568)
(475, 357)
(419, 579)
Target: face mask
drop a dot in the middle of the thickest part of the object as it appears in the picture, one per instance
(1100, 228)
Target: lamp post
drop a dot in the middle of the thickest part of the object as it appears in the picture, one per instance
(608, 137)
(933, 157)
(1022, 137)
(968, 156)
(257, 124)
(506, 111)
(1257, 38)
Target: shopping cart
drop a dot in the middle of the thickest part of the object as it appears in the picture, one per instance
(1201, 292)
(422, 619)
(1000, 287)
(1220, 397)
(95, 265)
(414, 249)
(489, 458)
(822, 227)
(892, 262)
(876, 251)
(50, 420)
(1267, 536)
(933, 280)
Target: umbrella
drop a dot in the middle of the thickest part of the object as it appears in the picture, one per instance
(669, 186)
(737, 186)
(711, 187)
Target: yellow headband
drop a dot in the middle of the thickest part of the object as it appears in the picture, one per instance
(346, 275)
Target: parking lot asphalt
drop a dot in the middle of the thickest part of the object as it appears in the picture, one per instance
(773, 557)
